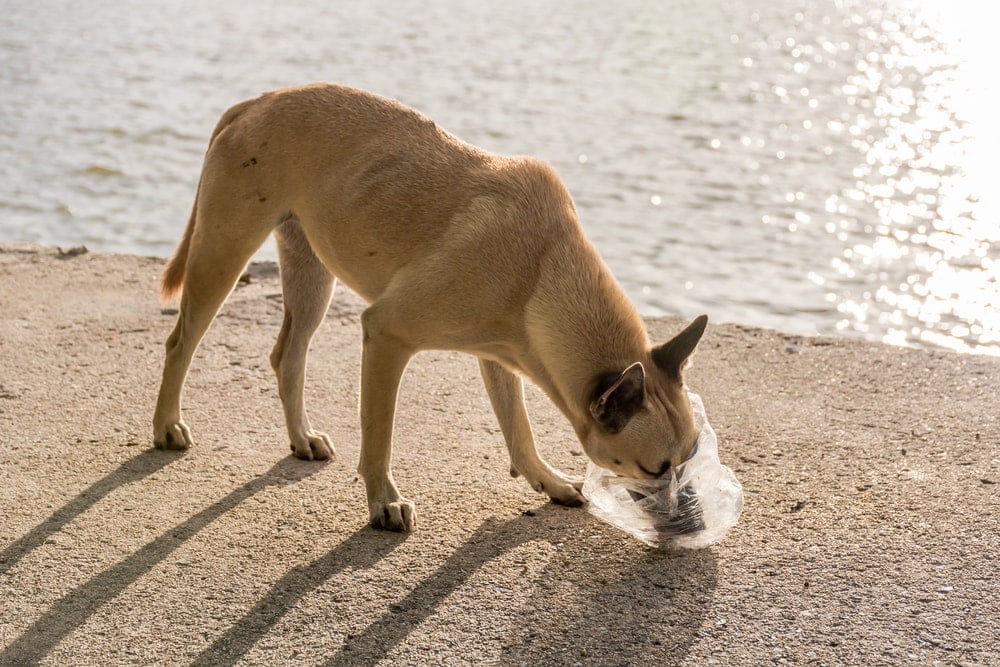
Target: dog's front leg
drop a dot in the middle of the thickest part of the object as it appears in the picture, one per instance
(383, 359)
(506, 393)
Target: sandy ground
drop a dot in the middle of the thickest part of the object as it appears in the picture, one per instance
(869, 533)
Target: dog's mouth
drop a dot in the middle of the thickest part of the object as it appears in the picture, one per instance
(662, 472)
(665, 470)
(680, 512)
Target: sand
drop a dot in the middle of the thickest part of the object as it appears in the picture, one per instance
(869, 533)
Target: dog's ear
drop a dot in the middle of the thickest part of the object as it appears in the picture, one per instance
(618, 397)
(672, 356)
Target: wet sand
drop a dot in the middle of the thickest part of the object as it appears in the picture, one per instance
(869, 532)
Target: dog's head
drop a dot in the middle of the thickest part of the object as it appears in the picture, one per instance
(642, 423)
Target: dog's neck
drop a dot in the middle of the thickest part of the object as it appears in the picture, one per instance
(580, 326)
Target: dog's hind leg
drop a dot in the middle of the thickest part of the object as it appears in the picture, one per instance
(506, 393)
(219, 251)
(307, 287)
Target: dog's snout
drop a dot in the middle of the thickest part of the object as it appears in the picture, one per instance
(663, 469)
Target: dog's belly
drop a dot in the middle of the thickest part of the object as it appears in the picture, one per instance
(367, 275)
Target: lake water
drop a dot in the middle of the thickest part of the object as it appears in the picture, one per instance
(811, 166)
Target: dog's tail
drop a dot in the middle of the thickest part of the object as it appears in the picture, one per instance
(172, 279)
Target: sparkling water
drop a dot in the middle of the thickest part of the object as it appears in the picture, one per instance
(811, 167)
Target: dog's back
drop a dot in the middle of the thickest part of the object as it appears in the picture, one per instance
(378, 188)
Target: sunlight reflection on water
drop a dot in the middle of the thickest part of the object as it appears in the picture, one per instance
(815, 166)
(930, 257)
(917, 223)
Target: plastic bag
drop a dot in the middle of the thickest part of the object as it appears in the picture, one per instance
(690, 508)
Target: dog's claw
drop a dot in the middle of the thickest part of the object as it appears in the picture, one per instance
(175, 436)
(574, 501)
(314, 446)
(397, 516)
(563, 491)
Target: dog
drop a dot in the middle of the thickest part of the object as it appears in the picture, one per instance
(453, 248)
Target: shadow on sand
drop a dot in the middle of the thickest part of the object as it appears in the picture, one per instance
(130, 471)
(619, 616)
(74, 608)
(645, 605)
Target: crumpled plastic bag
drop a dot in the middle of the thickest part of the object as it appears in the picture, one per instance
(691, 508)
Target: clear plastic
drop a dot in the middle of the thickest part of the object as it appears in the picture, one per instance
(693, 507)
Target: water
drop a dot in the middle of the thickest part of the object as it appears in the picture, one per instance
(815, 167)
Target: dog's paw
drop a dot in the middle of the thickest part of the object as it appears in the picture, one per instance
(576, 500)
(313, 446)
(399, 516)
(174, 436)
(562, 491)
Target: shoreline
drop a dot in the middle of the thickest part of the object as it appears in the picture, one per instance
(870, 477)
(946, 344)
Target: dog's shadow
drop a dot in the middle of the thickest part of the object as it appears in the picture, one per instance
(624, 613)
(638, 604)
(129, 472)
(73, 609)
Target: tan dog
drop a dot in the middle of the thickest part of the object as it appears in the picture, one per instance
(454, 248)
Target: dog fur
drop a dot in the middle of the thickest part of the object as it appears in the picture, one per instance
(453, 248)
